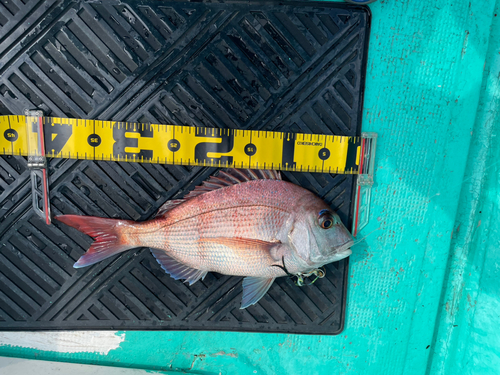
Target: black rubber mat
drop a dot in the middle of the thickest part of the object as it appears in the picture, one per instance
(251, 65)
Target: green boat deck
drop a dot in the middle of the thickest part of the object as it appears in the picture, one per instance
(423, 283)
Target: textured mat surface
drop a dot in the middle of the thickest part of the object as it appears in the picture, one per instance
(298, 67)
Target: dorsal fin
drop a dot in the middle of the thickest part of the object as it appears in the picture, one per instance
(226, 178)
(231, 177)
(168, 205)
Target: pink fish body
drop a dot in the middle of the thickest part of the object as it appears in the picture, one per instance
(242, 223)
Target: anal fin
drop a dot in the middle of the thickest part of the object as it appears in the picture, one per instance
(176, 269)
(254, 288)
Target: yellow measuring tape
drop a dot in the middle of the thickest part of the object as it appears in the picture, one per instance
(182, 145)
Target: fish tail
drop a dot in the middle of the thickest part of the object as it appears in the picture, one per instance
(108, 239)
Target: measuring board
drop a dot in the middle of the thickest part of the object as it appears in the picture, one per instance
(281, 67)
(183, 145)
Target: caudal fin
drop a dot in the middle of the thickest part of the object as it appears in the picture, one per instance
(106, 234)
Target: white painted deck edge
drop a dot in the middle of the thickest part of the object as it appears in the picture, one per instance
(65, 341)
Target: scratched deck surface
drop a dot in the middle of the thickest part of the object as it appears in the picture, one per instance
(298, 67)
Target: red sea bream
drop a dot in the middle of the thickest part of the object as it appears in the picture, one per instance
(242, 222)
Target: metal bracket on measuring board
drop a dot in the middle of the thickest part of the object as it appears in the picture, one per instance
(364, 182)
(37, 163)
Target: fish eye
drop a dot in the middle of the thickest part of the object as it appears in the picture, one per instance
(325, 219)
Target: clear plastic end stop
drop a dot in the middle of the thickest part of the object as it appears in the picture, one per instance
(364, 182)
(37, 162)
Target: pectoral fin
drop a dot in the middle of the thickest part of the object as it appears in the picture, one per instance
(254, 289)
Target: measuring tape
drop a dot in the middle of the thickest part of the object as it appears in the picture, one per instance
(40, 137)
(180, 145)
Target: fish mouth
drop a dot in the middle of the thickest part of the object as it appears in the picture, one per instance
(344, 249)
(341, 252)
(336, 253)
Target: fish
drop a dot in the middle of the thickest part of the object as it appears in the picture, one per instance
(248, 223)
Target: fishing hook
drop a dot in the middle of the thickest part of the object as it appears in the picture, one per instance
(318, 272)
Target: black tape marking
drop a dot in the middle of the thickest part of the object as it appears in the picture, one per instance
(226, 145)
(62, 132)
(173, 145)
(94, 140)
(250, 149)
(324, 154)
(11, 135)
(288, 150)
(119, 131)
(352, 150)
